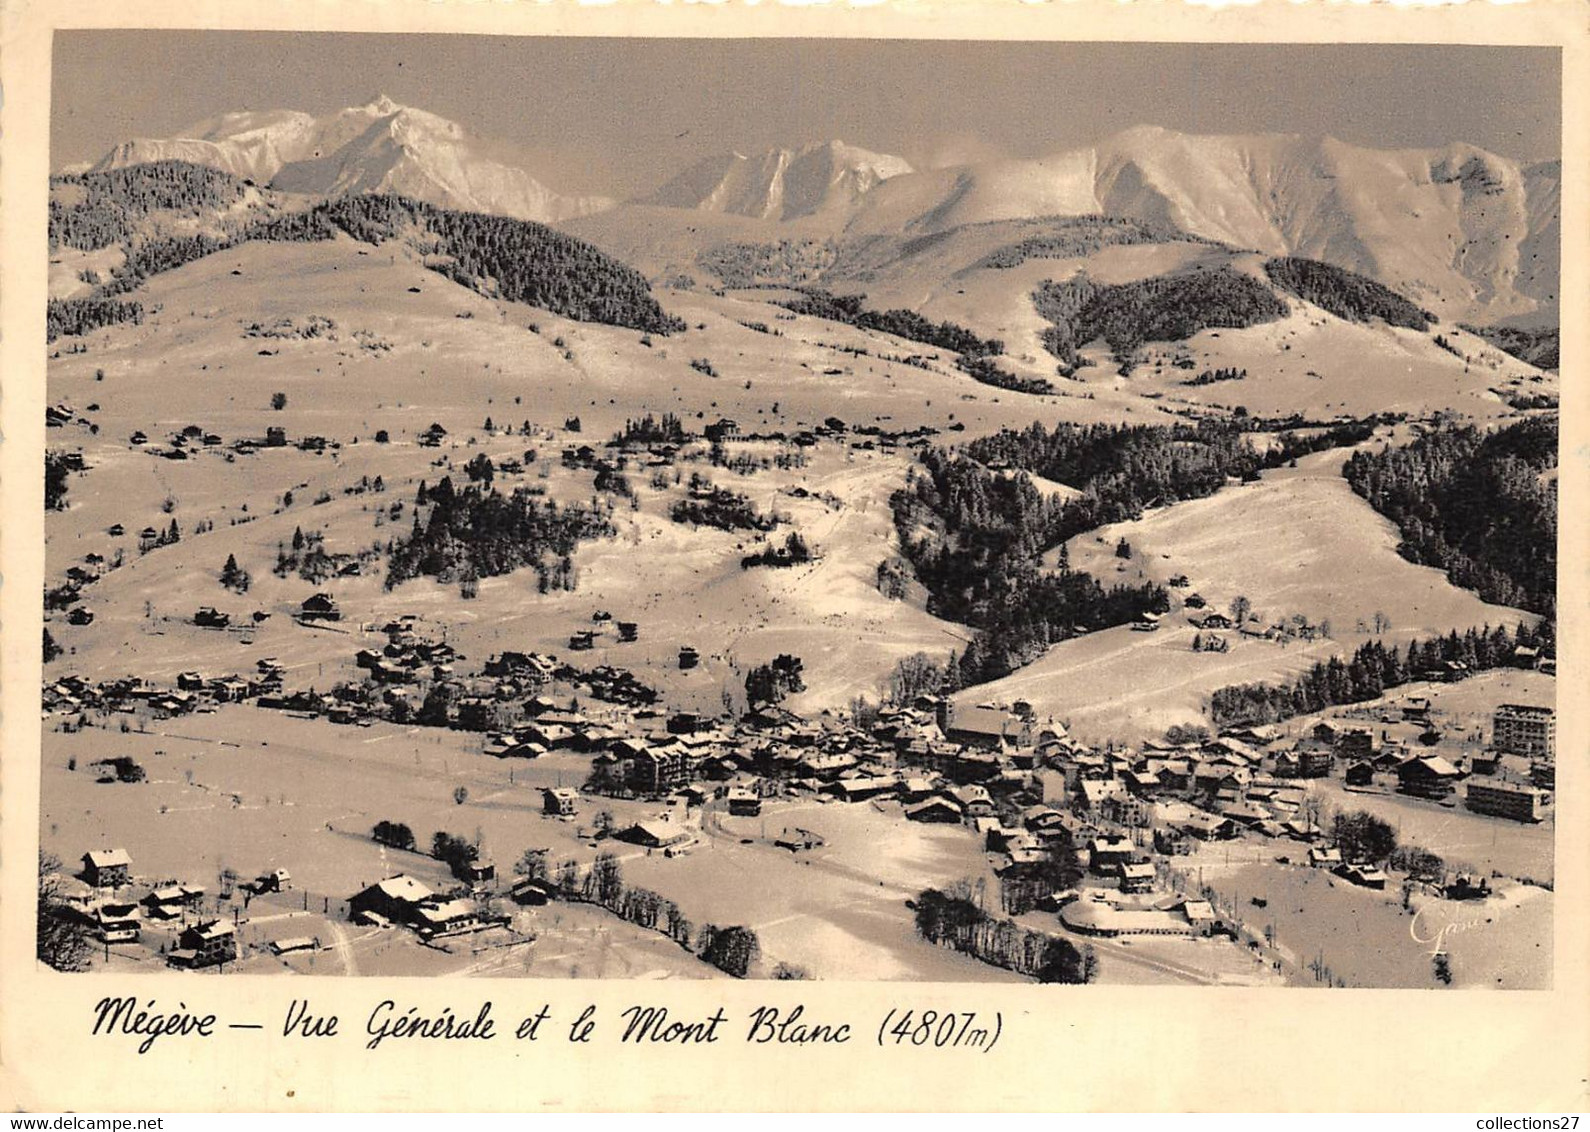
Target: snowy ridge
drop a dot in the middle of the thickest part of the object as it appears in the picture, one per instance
(375, 148)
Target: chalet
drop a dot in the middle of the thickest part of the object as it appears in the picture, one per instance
(1147, 623)
(117, 922)
(936, 809)
(1107, 854)
(1360, 774)
(861, 788)
(1430, 776)
(744, 803)
(560, 801)
(396, 899)
(1092, 793)
(190, 681)
(275, 437)
(474, 714)
(721, 429)
(205, 945)
(973, 800)
(1319, 858)
(1365, 876)
(228, 689)
(107, 868)
(1214, 620)
(531, 891)
(440, 917)
(628, 631)
(684, 723)
(319, 607)
(583, 640)
(653, 834)
(1416, 709)
(1208, 827)
(688, 657)
(277, 880)
(169, 901)
(433, 436)
(1137, 877)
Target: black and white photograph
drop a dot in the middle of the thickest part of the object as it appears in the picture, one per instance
(878, 511)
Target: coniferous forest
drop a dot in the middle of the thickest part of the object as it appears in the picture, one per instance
(1480, 505)
(974, 532)
(516, 260)
(1345, 294)
(481, 533)
(973, 538)
(1167, 308)
(89, 211)
(65, 318)
(1373, 669)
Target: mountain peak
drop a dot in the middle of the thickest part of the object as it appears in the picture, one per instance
(819, 178)
(379, 147)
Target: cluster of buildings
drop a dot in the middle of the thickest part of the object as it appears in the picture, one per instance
(103, 897)
(1513, 777)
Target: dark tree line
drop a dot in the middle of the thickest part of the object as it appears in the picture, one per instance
(481, 533)
(67, 318)
(984, 371)
(650, 430)
(1345, 294)
(1213, 376)
(89, 211)
(1122, 470)
(603, 885)
(974, 355)
(524, 261)
(850, 310)
(1374, 668)
(57, 473)
(1540, 348)
(724, 509)
(1074, 237)
(1476, 504)
(952, 919)
(1166, 308)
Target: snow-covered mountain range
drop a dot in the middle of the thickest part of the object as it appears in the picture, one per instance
(1457, 228)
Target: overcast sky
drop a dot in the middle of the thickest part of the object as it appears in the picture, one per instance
(622, 116)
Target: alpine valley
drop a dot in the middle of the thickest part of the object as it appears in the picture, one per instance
(843, 555)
